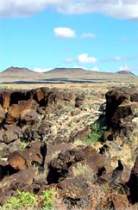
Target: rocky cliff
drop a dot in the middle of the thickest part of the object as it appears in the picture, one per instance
(84, 149)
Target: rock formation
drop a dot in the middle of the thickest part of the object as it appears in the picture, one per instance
(43, 138)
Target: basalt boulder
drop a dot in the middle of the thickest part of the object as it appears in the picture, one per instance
(133, 183)
(79, 101)
(34, 154)
(29, 111)
(2, 114)
(121, 109)
(59, 167)
(10, 133)
(16, 110)
(75, 193)
(21, 181)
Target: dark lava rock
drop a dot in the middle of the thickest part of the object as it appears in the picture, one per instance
(75, 192)
(16, 181)
(2, 114)
(27, 109)
(59, 167)
(10, 134)
(17, 161)
(120, 106)
(79, 101)
(133, 183)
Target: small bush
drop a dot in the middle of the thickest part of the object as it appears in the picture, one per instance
(92, 138)
(22, 146)
(20, 201)
(105, 187)
(81, 169)
(48, 199)
(97, 130)
(95, 134)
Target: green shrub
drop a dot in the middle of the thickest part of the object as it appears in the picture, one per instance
(27, 200)
(22, 145)
(97, 131)
(92, 138)
(20, 201)
(48, 199)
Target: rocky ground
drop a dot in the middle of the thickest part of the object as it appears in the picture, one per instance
(69, 149)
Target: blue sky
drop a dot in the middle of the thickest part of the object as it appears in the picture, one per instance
(48, 37)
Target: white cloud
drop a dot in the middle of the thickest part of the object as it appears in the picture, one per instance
(41, 70)
(64, 32)
(25, 7)
(86, 59)
(124, 9)
(88, 36)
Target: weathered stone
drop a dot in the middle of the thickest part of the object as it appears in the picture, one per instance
(17, 161)
(133, 183)
(5, 99)
(16, 110)
(79, 101)
(121, 106)
(75, 193)
(29, 116)
(120, 202)
(11, 134)
(17, 181)
(59, 167)
(134, 97)
(2, 114)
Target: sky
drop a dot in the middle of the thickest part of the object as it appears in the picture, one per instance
(99, 35)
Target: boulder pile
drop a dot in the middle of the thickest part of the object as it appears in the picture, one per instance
(39, 148)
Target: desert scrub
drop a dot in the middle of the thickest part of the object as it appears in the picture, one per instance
(48, 198)
(105, 187)
(22, 145)
(92, 138)
(20, 201)
(97, 131)
(80, 169)
(83, 170)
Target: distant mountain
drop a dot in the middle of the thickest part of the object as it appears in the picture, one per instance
(16, 74)
(74, 71)
(126, 72)
(16, 70)
(79, 74)
(66, 70)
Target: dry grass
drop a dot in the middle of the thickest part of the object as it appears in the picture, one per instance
(82, 169)
(78, 142)
(59, 86)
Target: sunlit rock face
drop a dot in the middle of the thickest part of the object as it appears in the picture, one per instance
(121, 110)
(44, 143)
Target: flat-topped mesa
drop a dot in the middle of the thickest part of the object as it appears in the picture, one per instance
(121, 109)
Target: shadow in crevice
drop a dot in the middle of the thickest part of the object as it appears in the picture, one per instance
(6, 171)
(133, 189)
(54, 175)
(19, 96)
